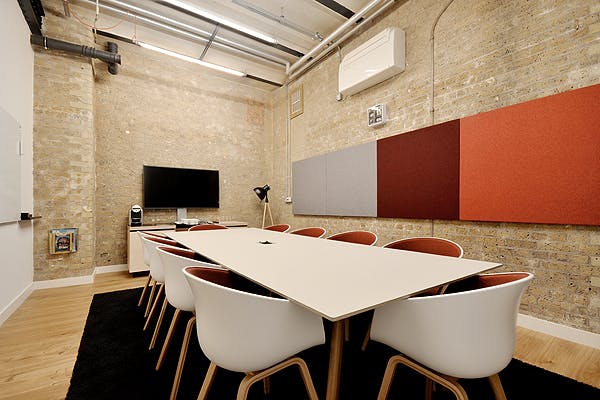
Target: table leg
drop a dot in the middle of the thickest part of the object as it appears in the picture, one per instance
(335, 360)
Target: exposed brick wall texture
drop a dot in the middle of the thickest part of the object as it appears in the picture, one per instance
(488, 54)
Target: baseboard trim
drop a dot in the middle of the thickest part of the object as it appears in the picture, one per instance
(63, 282)
(16, 303)
(110, 268)
(560, 331)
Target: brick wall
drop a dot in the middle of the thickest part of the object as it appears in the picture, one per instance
(63, 149)
(162, 111)
(94, 131)
(488, 54)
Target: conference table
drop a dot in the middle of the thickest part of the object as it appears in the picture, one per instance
(333, 279)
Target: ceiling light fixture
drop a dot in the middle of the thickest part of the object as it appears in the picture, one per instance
(220, 20)
(190, 59)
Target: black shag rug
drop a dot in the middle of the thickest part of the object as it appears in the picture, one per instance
(114, 363)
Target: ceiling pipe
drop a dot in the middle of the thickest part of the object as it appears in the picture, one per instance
(334, 35)
(110, 57)
(188, 31)
(334, 45)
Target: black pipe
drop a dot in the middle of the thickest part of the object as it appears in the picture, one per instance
(112, 48)
(54, 44)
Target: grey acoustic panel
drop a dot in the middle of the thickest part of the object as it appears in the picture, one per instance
(308, 186)
(352, 181)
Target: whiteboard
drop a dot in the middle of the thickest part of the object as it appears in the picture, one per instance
(10, 168)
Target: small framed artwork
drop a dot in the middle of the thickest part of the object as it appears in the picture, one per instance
(62, 240)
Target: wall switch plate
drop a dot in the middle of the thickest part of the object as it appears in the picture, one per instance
(377, 115)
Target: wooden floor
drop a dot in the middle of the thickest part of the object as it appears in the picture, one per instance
(39, 342)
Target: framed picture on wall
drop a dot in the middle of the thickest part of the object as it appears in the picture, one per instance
(62, 240)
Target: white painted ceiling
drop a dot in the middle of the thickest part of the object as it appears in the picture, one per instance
(296, 25)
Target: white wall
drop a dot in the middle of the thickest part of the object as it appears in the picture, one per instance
(16, 97)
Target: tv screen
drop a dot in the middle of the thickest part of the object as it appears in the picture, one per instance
(166, 187)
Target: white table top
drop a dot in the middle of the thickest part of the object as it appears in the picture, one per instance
(334, 279)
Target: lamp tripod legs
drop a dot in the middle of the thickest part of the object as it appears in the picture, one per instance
(267, 207)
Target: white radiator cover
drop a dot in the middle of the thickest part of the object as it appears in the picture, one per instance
(376, 60)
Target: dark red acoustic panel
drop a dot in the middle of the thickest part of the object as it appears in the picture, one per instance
(533, 162)
(417, 173)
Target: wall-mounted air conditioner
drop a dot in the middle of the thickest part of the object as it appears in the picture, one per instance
(376, 60)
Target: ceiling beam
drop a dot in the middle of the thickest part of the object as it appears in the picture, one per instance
(337, 7)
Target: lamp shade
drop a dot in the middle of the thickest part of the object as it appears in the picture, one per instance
(261, 192)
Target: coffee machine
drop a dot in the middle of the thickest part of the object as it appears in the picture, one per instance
(136, 215)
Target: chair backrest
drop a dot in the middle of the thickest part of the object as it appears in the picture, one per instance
(431, 245)
(244, 332)
(360, 237)
(145, 249)
(314, 231)
(150, 233)
(150, 243)
(468, 334)
(177, 289)
(278, 228)
(206, 227)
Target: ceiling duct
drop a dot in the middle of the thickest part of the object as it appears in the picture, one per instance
(111, 57)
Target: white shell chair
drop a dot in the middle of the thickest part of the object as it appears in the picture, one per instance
(469, 334)
(245, 332)
(157, 272)
(146, 258)
(180, 296)
(429, 245)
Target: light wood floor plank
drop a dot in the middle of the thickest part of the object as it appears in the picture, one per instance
(39, 342)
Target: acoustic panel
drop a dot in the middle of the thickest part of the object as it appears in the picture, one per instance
(418, 173)
(536, 162)
(352, 181)
(308, 186)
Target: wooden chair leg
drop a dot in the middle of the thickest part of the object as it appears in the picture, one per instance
(428, 388)
(158, 323)
(267, 385)
(144, 290)
(182, 355)
(497, 387)
(252, 378)
(388, 377)
(150, 298)
(308, 383)
(208, 380)
(366, 339)
(347, 329)
(167, 343)
(449, 383)
(154, 304)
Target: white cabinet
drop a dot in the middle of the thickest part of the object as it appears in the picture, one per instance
(135, 258)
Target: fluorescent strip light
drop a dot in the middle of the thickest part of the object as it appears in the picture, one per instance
(191, 59)
(221, 20)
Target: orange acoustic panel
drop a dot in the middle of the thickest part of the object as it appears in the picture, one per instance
(536, 162)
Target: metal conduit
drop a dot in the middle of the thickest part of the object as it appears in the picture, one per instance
(301, 70)
(186, 30)
(334, 35)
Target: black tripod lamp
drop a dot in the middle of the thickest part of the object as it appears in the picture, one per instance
(262, 194)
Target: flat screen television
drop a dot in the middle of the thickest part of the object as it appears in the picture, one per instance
(166, 187)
